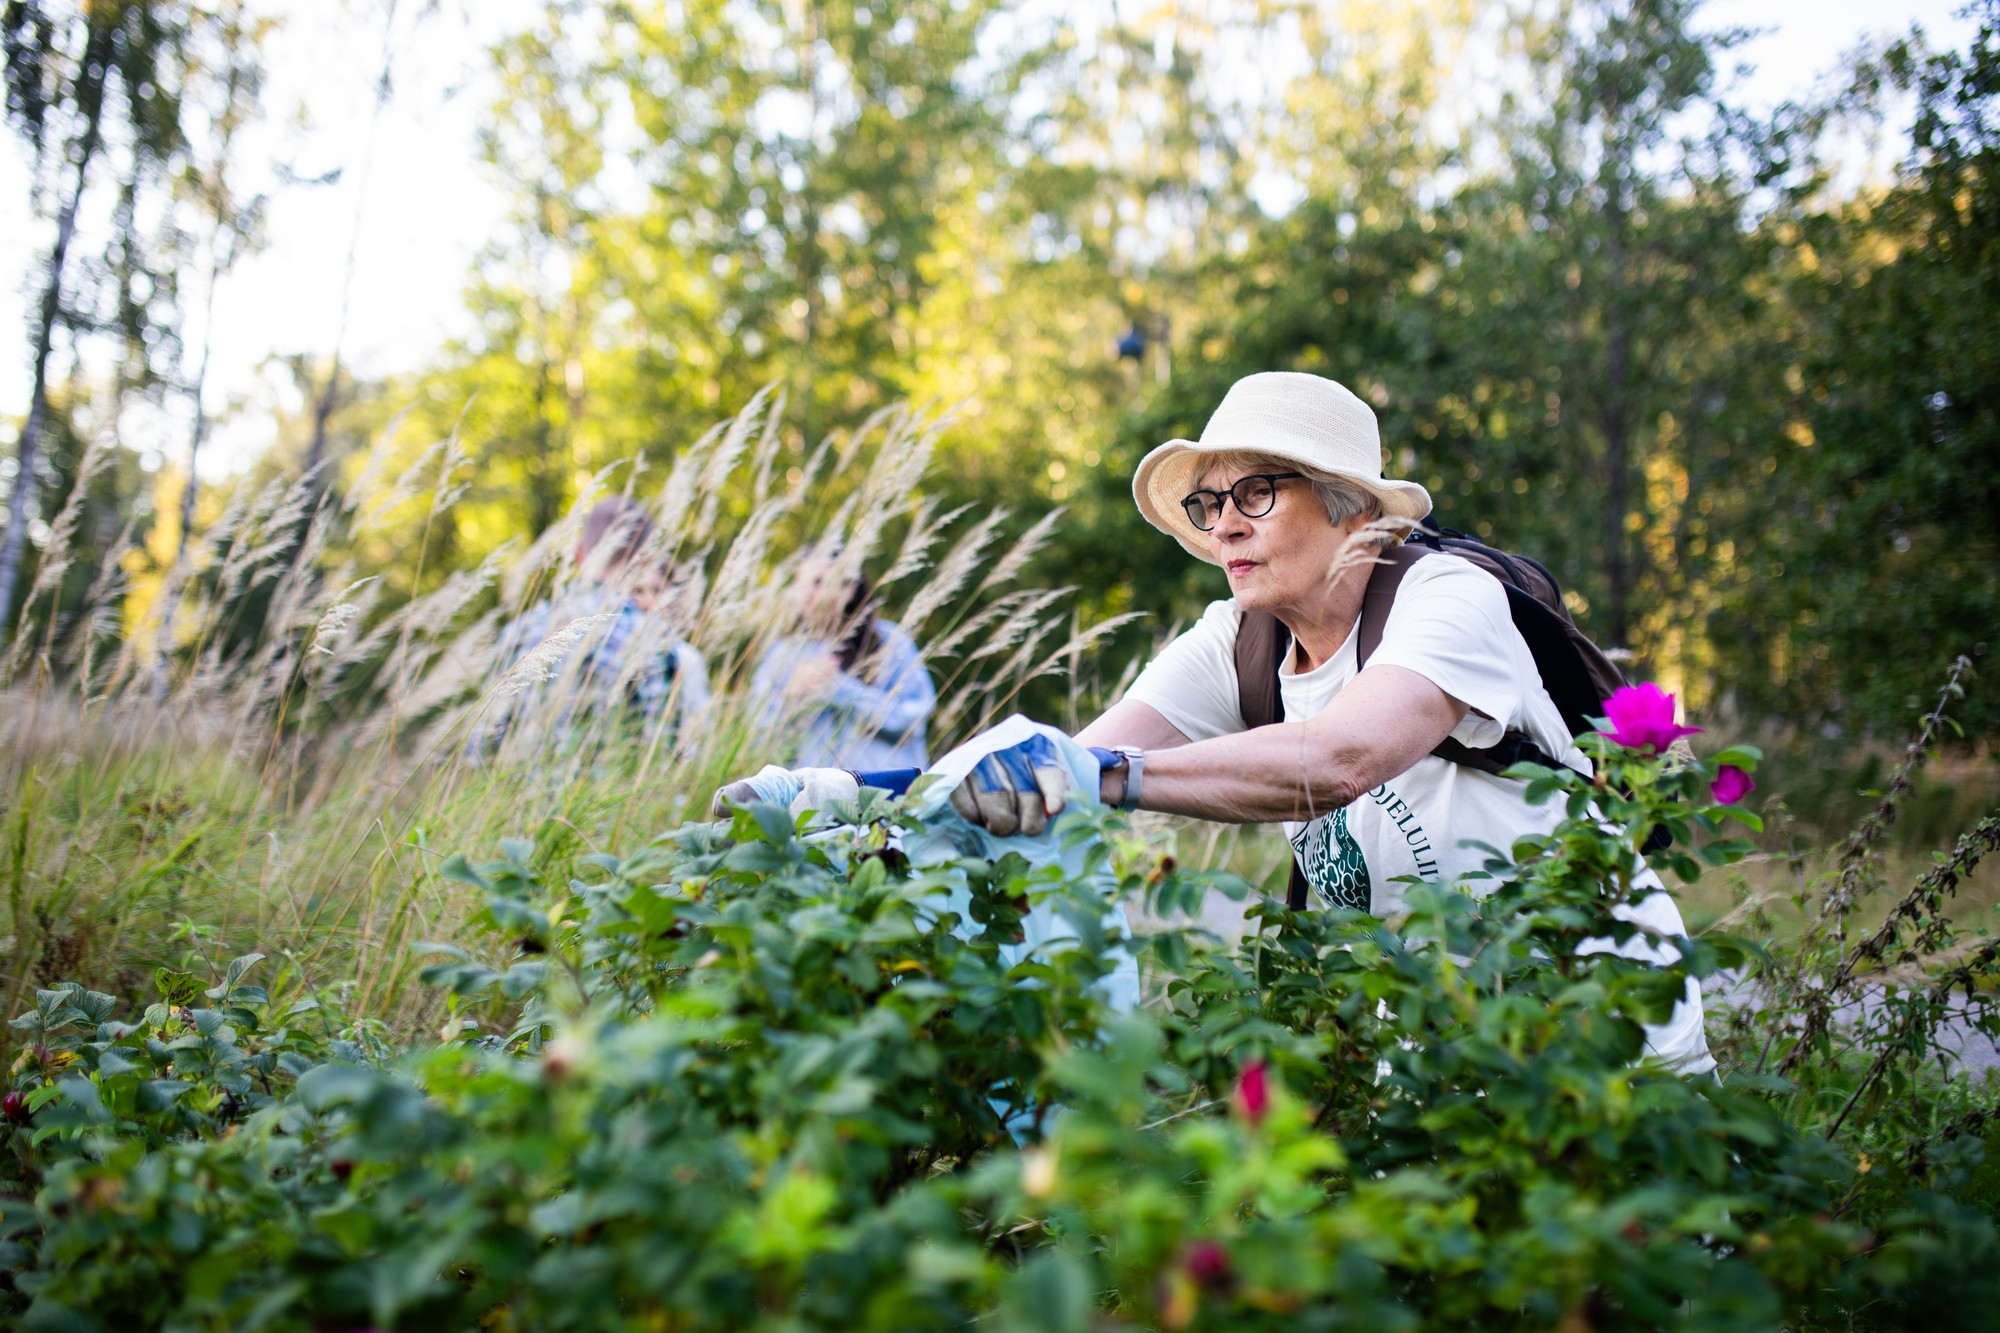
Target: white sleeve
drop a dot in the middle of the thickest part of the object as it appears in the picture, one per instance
(1450, 624)
(1192, 683)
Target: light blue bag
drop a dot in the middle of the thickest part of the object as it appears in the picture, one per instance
(947, 837)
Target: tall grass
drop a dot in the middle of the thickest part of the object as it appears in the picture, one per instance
(273, 748)
(273, 752)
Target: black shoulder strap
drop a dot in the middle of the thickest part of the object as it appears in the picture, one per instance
(1297, 888)
(1514, 748)
(1262, 639)
(1380, 595)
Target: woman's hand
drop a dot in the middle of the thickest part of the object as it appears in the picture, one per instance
(1016, 790)
(814, 676)
(797, 789)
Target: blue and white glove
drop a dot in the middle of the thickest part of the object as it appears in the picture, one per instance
(1015, 791)
(797, 789)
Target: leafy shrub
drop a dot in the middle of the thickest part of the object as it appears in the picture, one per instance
(776, 1074)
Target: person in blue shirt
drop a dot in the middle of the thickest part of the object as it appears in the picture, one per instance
(633, 656)
(852, 689)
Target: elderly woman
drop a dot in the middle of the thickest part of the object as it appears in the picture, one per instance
(1284, 491)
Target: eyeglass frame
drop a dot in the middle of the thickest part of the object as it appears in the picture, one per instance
(1230, 496)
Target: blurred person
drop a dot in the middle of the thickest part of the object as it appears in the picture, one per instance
(855, 681)
(634, 653)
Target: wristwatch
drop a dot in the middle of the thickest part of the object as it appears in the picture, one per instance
(1129, 759)
(1135, 767)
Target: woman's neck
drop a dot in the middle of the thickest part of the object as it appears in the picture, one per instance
(1319, 630)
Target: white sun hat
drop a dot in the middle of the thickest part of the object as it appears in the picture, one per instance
(1310, 421)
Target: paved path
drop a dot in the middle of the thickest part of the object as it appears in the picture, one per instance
(1968, 1051)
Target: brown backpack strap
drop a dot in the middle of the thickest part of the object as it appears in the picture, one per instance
(1514, 748)
(1261, 644)
(1383, 582)
(1262, 639)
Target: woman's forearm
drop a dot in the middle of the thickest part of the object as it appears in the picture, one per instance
(1384, 722)
(1272, 773)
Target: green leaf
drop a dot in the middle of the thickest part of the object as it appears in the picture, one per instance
(1052, 1293)
(1745, 757)
(465, 978)
(156, 1095)
(423, 947)
(456, 868)
(510, 916)
(330, 1085)
(111, 1063)
(178, 989)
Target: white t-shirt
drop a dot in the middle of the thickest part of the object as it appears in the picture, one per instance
(1450, 624)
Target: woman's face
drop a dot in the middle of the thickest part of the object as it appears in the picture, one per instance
(820, 598)
(1278, 563)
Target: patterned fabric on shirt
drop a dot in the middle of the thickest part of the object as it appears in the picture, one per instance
(632, 655)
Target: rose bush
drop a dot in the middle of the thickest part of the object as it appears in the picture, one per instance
(766, 1076)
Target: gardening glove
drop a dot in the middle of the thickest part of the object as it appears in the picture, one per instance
(797, 789)
(1016, 790)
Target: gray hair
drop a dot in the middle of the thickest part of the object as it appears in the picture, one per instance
(1341, 499)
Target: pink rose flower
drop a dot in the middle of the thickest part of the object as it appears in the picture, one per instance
(1206, 1263)
(1253, 1092)
(1732, 784)
(1642, 719)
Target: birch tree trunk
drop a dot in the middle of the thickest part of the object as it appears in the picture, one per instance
(90, 103)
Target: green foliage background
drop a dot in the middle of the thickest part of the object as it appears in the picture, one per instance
(1742, 409)
(1612, 323)
(736, 1078)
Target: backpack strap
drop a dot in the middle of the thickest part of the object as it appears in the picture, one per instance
(1380, 596)
(1262, 639)
(1514, 748)
(1296, 888)
(1261, 644)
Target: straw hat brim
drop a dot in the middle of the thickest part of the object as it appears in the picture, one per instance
(1168, 473)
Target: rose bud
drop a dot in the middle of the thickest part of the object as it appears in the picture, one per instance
(1253, 1092)
(1732, 784)
(1206, 1264)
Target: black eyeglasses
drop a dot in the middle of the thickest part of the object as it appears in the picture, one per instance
(1254, 495)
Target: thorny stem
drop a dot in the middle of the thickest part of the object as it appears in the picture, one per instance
(1915, 1156)
(1856, 851)
(1169, 1119)
(1926, 895)
(1962, 975)
(1856, 854)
